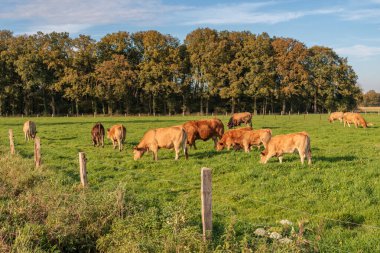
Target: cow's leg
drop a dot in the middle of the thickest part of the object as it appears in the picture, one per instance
(26, 137)
(114, 143)
(280, 159)
(215, 139)
(177, 150)
(120, 143)
(186, 153)
(195, 147)
(308, 152)
(302, 156)
(102, 140)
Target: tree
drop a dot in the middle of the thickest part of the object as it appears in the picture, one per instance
(259, 80)
(201, 44)
(371, 98)
(155, 68)
(114, 78)
(290, 62)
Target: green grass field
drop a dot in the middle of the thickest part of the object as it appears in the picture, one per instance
(337, 197)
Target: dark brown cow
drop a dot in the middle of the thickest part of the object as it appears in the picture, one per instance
(117, 135)
(97, 134)
(203, 130)
(238, 118)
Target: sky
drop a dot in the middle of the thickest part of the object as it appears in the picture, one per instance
(351, 27)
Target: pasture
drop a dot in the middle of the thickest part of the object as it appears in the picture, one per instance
(336, 199)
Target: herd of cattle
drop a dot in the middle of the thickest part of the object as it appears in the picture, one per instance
(180, 136)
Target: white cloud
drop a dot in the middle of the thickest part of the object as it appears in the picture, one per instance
(360, 51)
(76, 15)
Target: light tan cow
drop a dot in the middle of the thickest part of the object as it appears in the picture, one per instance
(154, 139)
(354, 118)
(336, 116)
(30, 130)
(117, 135)
(288, 143)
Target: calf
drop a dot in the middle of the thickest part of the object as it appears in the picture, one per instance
(203, 130)
(154, 139)
(97, 134)
(29, 130)
(336, 116)
(117, 135)
(238, 118)
(288, 143)
(354, 118)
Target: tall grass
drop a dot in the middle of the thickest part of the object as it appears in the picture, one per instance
(148, 206)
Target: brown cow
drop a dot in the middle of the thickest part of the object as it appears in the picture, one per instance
(245, 138)
(288, 143)
(154, 139)
(231, 138)
(97, 134)
(336, 116)
(203, 130)
(238, 118)
(354, 118)
(30, 130)
(117, 135)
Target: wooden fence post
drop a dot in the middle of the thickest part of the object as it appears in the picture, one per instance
(206, 199)
(11, 142)
(37, 152)
(82, 169)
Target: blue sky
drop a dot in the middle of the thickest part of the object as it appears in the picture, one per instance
(351, 28)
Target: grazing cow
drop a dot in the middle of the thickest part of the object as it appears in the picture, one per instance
(203, 130)
(238, 118)
(336, 116)
(117, 135)
(29, 130)
(97, 134)
(154, 139)
(288, 143)
(354, 118)
(245, 138)
(231, 138)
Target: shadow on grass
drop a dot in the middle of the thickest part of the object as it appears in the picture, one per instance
(61, 139)
(346, 158)
(205, 154)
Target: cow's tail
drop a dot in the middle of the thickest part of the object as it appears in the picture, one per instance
(184, 143)
(122, 133)
(308, 149)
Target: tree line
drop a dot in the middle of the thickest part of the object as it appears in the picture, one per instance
(151, 72)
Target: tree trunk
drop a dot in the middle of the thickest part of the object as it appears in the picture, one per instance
(1, 105)
(183, 105)
(103, 108)
(154, 104)
(44, 101)
(110, 108)
(94, 107)
(232, 105)
(201, 106)
(283, 106)
(254, 105)
(52, 105)
(315, 100)
(207, 104)
(77, 107)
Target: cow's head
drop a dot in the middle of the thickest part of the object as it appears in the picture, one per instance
(230, 123)
(138, 152)
(219, 146)
(33, 135)
(263, 156)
